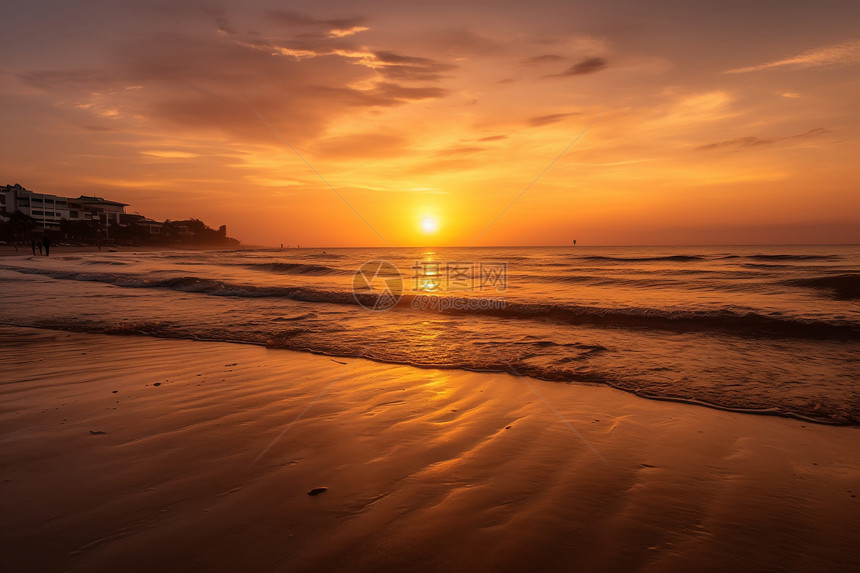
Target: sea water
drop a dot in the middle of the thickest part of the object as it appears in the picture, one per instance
(760, 328)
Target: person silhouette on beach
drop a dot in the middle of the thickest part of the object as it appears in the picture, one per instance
(33, 245)
(47, 242)
(39, 244)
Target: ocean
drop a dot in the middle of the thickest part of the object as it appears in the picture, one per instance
(762, 329)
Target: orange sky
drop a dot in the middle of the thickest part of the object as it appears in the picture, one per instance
(711, 122)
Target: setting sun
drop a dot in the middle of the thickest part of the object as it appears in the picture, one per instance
(429, 224)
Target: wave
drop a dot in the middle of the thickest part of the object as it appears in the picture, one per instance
(677, 258)
(793, 257)
(679, 279)
(100, 262)
(842, 287)
(692, 258)
(748, 324)
(610, 281)
(202, 285)
(768, 266)
(783, 257)
(324, 255)
(306, 316)
(296, 339)
(295, 269)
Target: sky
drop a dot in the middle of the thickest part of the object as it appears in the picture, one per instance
(368, 123)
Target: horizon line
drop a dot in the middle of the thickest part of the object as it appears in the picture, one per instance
(555, 246)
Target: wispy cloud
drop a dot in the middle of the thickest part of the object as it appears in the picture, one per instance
(335, 28)
(399, 67)
(392, 65)
(169, 154)
(464, 150)
(583, 67)
(549, 118)
(752, 141)
(342, 33)
(361, 146)
(544, 59)
(833, 55)
(493, 138)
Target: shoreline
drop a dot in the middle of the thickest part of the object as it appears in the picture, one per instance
(426, 469)
(769, 412)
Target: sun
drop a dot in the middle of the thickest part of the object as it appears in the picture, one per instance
(429, 224)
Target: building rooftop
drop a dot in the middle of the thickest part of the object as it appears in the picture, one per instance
(99, 200)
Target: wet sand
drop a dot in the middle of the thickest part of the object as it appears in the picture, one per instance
(140, 454)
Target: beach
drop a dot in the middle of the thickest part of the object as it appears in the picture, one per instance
(137, 454)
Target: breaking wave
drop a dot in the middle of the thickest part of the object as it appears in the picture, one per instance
(303, 339)
(295, 269)
(747, 324)
(843, 287)
(679, 258)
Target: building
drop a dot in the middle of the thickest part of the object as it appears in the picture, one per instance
(77, 212)
(88, 218)
(152, 226)
(49, 210)
(108, 212)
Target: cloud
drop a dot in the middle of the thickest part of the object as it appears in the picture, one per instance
(224, 26)
(382, 94)
(409, 68)
(454, 151)
(493, 138)
(50, 79)
(737, 143)
(334, 28)
(752, 141)
(582, 67)
(205, 82)
(845, 53)
(361, 146)
(462, 41)
(391, 65)
(342, 33)
(544, 59)
(548, 119)
(169, 154)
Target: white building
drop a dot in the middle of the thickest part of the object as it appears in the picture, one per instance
(49, 210)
